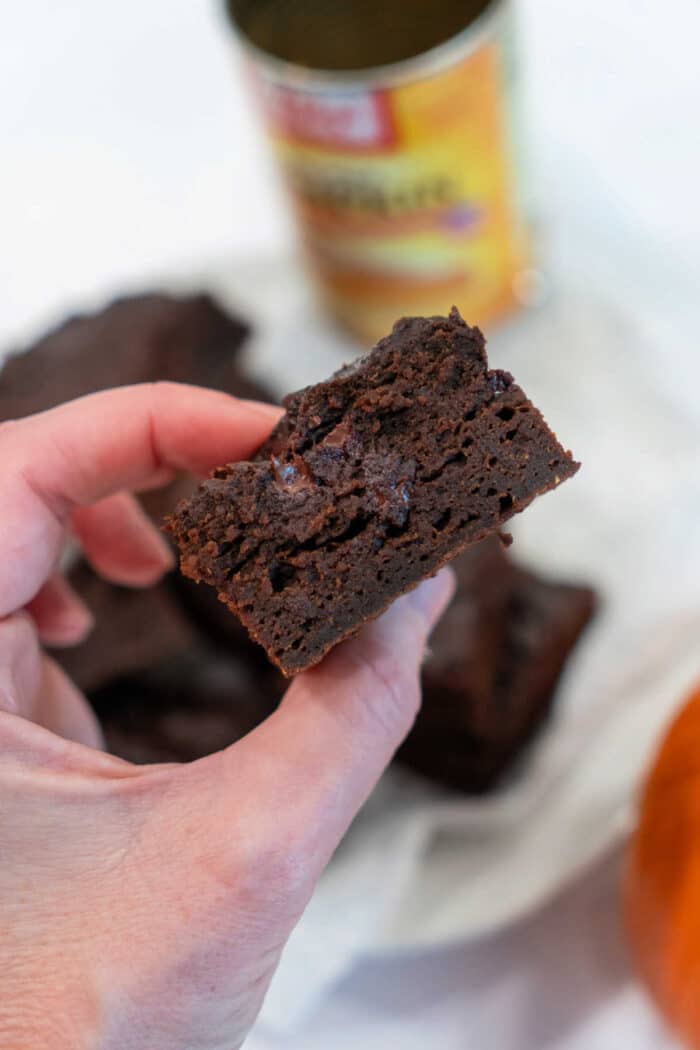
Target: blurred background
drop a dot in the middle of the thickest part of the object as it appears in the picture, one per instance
(133, 158)
(130, 147)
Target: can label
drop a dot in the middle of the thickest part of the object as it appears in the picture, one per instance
(407, 193)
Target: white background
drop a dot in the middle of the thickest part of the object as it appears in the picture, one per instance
(127, 146)
(128, 150)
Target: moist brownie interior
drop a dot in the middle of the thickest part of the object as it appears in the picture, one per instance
(372, 481)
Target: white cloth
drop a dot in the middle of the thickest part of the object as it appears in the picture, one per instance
(558, 980)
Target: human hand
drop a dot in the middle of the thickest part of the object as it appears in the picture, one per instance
(146, 907)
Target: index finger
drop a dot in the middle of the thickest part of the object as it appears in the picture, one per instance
(87, 449)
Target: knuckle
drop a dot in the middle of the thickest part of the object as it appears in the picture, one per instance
(270, 880)
(283, 868)
(267, 864)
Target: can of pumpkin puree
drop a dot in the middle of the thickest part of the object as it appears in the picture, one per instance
(395, 126)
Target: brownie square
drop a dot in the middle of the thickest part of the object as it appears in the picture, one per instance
(459, 675)
(185, 708)
(545, 621)
(137, 339)
(134, 629)
(373, 480)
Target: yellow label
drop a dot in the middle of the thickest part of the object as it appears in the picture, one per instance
(406, 195)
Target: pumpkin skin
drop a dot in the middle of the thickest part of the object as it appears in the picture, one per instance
(662, 889)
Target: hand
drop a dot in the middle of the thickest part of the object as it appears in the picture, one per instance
(145, 908)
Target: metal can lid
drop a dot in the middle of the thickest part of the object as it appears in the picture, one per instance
(394, 41)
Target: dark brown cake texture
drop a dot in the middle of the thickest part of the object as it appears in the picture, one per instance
(459, 675)
(185, 708)
(173, 676)
(137, 339)
(472, 747)
(372, 481)
(135, 629)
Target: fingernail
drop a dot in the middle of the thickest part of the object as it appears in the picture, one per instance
(263, 407)
(81, 621)
(432, 596)
(167, 558)
(71, 627)
(159, 559)
(147, 574)
(163, 551)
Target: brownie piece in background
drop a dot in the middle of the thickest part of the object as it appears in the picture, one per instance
(163, 694)
(162, 690)
(459, 675)
(373, 480)
(135, 629)
(184, 709)
(137, 339)
(545, 621)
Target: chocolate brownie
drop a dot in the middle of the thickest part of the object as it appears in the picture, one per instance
(184, 709)
(459, 674)
(134, 340)
(134, 629)
(200, 604)
(545, 620)
(138, 339)
(373, 480)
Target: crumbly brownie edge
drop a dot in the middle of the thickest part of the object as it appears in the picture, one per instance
(235, 554)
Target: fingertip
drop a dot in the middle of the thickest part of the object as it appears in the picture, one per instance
(271, 413)
(69, 627)
(158, 552)
(432, 596)
(59, 615)
(407, 624)
(138, 575)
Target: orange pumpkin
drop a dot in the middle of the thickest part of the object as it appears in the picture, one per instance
(662, 892)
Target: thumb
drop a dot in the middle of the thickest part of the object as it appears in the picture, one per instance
(312, 764)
